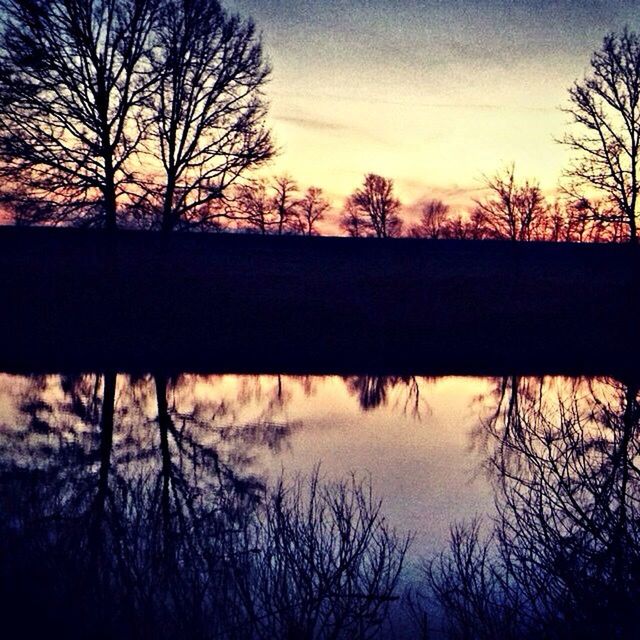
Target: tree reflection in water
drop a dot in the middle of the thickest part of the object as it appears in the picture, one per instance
(562, 558)
(123, 514)
(373, 392)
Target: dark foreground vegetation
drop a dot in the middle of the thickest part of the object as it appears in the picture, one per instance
(131, 301)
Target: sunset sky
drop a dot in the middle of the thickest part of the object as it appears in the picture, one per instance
(432, 93)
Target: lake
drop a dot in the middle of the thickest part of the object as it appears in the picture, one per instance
(144, 497)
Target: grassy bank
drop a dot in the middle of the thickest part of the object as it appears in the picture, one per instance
(139, 301)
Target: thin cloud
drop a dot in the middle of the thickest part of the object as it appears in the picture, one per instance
(323, 126)
(312, 123)
(321, 95)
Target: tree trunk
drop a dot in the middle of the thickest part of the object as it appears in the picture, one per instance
(110, 214)
(168, 218)
(164, 422)
(633, 231)
(106, 436)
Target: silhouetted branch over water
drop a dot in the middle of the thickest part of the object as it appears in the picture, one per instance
(139, 526)
(561, 559)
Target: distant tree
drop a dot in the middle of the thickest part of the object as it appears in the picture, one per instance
(270, 206)
(581, 220)
(207, 113)
(433, 218)
(475, 228)
(573, 221)
(284, 204)
(252, 207)
(456, 229)
(311, 209)
(354, 221)
(555, 229)
(376, 200)
(581, 225)
(513, 211)
(74, 77)
(464, 227)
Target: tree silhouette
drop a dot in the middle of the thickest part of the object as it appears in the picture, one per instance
(562, 557)
(311, 209)
(353, 221)
(376, 205)
(433, 219)
(126, 504)
(605, 110)
(139, 111)
(583, 220)
(74, 79)
(513, 211)
(251, 206)
(208, 111)
(284, 204)
(320, 562)
(274, 207)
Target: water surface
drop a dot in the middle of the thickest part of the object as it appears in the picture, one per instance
(132, 474)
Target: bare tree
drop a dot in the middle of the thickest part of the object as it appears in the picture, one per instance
(251, 206)
(433, 218)
(284, 204)
(581, 220)
(311, 209)
(321, 562)
(130, 497)
(270, 207)
(208, 110)
(376, 201)
(472, 589)
(134, 500)
(563, 555)
(353, 221)
(457, 229)
(514, 211)
(91, 88)
(605, 109)
(73, 80)
(475, 228)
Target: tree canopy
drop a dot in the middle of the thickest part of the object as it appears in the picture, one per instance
(113, 106)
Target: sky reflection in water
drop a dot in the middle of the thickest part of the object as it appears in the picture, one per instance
(410, 435)
(165, 475)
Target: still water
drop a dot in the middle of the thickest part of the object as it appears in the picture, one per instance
(411, 436)
(141, 499)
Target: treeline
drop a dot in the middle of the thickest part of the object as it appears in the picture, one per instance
(151, 114)
(519, 211)
(512, 210)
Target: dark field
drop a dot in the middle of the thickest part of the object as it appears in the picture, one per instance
(79, 300)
